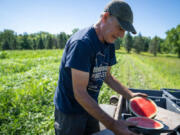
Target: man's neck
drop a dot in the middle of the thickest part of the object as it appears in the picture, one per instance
(97, 28)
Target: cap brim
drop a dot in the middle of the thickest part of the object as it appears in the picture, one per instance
(127, 26)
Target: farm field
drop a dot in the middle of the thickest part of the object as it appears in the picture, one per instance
(28, 80)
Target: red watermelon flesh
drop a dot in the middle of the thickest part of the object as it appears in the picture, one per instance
(146, 123)
(144, 107)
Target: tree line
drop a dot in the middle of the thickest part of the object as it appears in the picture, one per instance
(139, 43)
(9, 40)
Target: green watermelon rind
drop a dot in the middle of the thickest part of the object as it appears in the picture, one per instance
(151, 116)
(162, 125)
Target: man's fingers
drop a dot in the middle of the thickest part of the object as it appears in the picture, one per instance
(144, 94)
(141, 94)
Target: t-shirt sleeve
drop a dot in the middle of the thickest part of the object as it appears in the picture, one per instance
(112, 55)
(78, 56)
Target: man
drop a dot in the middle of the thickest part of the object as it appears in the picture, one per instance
(85, 65)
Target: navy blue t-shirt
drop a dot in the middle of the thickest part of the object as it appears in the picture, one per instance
(84, 52)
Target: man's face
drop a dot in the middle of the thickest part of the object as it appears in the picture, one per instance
(112, 30)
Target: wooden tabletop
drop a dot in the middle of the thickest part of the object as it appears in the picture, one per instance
(171, 119)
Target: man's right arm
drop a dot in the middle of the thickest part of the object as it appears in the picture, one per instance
(80, 81)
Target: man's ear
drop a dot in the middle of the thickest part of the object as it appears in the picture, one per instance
(105, 16)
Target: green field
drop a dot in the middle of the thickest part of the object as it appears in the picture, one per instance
(28, 80)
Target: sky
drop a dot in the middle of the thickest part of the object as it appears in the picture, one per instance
(151, 17)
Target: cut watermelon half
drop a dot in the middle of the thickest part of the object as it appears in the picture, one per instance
(143, 107)
(146, 123)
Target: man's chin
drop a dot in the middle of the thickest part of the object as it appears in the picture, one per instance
(110, 42)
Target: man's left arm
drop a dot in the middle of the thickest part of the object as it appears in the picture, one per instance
(113, 83)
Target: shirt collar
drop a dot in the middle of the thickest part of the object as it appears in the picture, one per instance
(99, 46)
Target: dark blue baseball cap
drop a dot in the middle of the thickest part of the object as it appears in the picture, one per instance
(122, 11)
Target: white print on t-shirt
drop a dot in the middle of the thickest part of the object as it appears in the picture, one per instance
(99, 73)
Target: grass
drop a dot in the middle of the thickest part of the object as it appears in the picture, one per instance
(28, 80)
(144, 72)
(27, 83)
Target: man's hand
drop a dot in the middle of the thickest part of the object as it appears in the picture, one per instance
(120, 127)
(138, 94)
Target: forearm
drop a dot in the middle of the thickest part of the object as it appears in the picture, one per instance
(113, 83)
(93, 109)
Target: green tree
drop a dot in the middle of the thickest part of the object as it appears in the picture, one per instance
(146, 43)
(173, 39)
(40, 43)
(15, 43)
(34, 46)
(5, 45)
(25, 44)
(138, 43)
(1, 40)
(49, 42)
(55, 46)
(160, 45)
(128, 42)
(62, 39)
(8, 37)
(153, 48)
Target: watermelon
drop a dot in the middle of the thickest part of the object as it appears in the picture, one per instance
(141, 106)
(146, 123)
